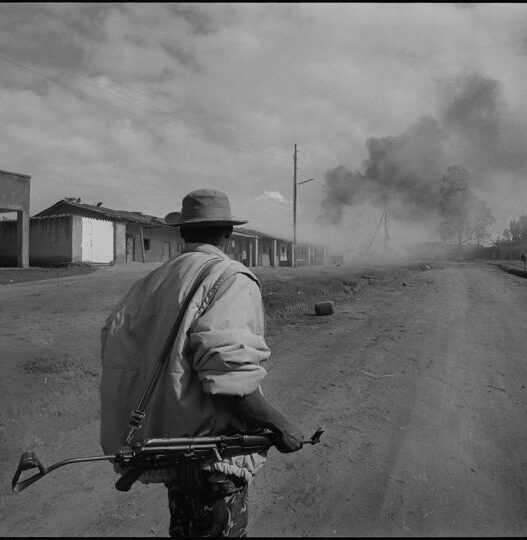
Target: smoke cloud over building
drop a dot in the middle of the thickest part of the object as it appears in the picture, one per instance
(474, 129)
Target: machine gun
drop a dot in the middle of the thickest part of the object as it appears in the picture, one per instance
(154, 454)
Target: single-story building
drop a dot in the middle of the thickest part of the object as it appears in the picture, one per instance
(71, 231)
(61, 239)
(14, 197)
(275, 251)
(244, 246)
(137, 237)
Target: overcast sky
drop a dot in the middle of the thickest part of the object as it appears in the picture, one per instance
(137, 104)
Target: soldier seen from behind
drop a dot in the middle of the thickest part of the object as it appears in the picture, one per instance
(211, 382)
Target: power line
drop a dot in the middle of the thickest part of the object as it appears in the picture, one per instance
(66, 26)
(86, 79)
(269, 148)
(248, 147)
(196, 134)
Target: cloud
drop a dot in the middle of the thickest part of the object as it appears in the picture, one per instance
(274, 196)
(138, 104)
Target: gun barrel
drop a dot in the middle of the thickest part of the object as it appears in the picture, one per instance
(262, 440)
(220, 442)
(168, 443)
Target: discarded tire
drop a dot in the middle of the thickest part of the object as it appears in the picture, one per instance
(325, 308)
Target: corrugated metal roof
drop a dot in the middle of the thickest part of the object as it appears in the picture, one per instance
(139, 217)
(115, 215)
(259, 234)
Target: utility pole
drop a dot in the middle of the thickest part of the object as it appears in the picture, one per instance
(386, 235)
(295, 184)
(293, 254)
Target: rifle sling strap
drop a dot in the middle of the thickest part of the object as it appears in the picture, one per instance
(138, 415)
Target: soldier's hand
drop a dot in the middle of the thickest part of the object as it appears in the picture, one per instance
(288, 439)
(255, 409)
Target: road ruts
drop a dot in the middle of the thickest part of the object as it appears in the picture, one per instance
(422, 393)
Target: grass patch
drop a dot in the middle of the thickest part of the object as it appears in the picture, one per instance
(296, 294)
(63, 366)
(515, 271)
(285, 298)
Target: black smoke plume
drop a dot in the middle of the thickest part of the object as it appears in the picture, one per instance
(403, 173)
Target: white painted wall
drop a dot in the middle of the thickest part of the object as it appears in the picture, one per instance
(97, 240)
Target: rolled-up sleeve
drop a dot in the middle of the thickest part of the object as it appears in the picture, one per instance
(228, 343)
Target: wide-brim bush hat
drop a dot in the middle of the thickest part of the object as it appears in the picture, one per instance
(202, 208)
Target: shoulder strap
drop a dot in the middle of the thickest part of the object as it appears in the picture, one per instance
(138, 415)
(219, 287)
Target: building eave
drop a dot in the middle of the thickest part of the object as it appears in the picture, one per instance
(20, 175)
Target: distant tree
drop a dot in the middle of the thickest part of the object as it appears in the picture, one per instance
(522, 226)
(517, 230)
(454, 197)
(481, 219)
(464, 216)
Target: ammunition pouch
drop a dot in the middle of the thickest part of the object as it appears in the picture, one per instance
(192, 477)
(224, 484)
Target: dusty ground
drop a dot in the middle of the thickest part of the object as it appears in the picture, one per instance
(419, 380)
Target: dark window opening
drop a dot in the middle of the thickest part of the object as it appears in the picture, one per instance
(146, 243)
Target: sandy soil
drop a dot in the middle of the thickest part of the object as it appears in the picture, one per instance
(419, 380)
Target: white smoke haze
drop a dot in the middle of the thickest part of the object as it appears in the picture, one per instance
(475, 129)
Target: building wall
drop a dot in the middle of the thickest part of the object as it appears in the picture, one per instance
(267, 255)
(8, 243)
(160, 243)
(76, 239)
(307, 254)
(119, 243)
(14, 197)
(318, 256)
(50, 240)
(302, 254)
(284, 251)
(244, 249)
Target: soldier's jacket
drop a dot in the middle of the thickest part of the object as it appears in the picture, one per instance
(219, 349)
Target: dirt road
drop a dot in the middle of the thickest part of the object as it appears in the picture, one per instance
(421, 389)
(422, 392)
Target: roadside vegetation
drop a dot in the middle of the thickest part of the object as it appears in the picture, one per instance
(289, 293)
(34, 273)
